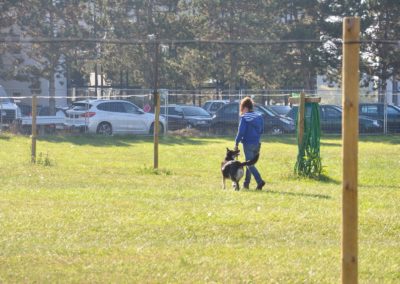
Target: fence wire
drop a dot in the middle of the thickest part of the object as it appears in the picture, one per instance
(111, 111)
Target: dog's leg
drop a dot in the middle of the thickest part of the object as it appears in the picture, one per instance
(237, 187)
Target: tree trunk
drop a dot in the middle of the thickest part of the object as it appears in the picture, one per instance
(52, 100)
(395, 95)
(96, 83)
(232, 52)
(150, 28)
(233, 71)
(52, 91)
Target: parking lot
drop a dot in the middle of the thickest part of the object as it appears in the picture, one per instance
(203, 114)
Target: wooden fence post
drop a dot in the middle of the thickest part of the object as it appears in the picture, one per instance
(350, 79)
(34, 131)
(300, 126)
(156, 104)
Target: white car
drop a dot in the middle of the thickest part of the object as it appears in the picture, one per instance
(9, 111)
(45, 122)
(109, 117)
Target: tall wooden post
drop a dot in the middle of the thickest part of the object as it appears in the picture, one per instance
(156, 104)
(300, 126)
(34, 131)
(350, 79)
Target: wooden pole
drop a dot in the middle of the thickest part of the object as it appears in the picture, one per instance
(350, 79)
(34, 131)
(300, 124)
(157, 105)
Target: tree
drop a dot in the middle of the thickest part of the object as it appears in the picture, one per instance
(382, 60)
(49, 19)
(11, 54)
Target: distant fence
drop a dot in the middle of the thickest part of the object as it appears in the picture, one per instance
(187, 112)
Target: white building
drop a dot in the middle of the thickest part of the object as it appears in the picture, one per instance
(21, 90)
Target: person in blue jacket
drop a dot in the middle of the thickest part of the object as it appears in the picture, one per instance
(251, 127)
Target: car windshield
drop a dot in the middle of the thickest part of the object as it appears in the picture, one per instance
(195, 111)
(396, 108)
(3, 96)
(292, 113)
(280, 109)
(339, 109)
(206, 105)
(268, 111)
(81, 106)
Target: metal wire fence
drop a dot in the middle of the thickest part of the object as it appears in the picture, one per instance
(111, 111)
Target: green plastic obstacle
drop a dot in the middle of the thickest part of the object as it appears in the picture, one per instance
(308, 162)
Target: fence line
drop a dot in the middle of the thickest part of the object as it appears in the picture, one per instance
(172, 102)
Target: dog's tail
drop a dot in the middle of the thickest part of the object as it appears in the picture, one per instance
(252, 161)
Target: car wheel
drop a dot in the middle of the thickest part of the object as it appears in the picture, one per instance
(160, 128)
(104, 128)
(276, 130)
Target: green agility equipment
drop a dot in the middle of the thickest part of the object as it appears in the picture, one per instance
(308, 162)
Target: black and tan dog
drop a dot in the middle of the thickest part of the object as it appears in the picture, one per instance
(233, 169)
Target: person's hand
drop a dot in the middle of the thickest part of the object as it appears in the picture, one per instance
(236, 148)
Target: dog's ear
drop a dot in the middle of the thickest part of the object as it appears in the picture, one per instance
(227, 149)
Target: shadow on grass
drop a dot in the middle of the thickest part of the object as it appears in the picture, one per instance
(281, 139)
(299, 194)
(291, 139)
(378, 187)
(386, 139)
(327, 179)
(123, 141)
(330, 144)
(2, 137)
(321, 178)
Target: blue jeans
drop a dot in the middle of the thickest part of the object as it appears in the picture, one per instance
(250, 150)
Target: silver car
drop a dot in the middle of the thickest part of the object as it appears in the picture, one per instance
(109, 117)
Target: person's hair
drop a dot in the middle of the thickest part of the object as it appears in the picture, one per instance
(246, 102)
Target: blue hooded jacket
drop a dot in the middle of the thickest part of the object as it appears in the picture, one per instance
(251, 127)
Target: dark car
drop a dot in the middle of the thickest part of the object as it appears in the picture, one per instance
(26, 110)
(377, 111)
(186, 116)
(214, 105)
(226, 120)
(280, 109)
(331, 120)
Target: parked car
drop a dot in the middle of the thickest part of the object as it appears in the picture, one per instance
(280, 109)
(26, 110)
(376, 111)
(9, 111)
(331, 120)
(186, 116)
(214, 105)
(45, 122)
(226, 120)
(111, 117)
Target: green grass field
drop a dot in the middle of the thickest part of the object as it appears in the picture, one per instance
(99, 213)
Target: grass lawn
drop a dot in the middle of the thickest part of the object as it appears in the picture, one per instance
(99, 213)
